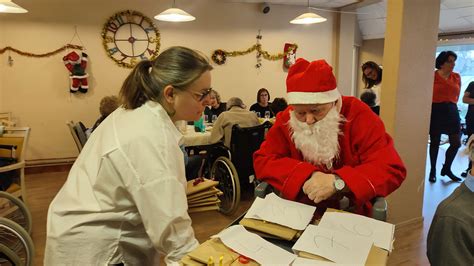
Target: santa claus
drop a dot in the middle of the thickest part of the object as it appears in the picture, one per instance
(77, 67)
(325, 146)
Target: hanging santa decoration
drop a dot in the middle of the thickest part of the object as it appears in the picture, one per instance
(77, 68)
(290, 55)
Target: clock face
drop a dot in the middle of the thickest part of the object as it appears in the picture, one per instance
(129, 37)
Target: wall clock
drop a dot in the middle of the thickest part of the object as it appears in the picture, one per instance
(129, 37)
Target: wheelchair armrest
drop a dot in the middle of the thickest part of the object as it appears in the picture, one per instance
(11, 167)
(379, 209)
(262, 189)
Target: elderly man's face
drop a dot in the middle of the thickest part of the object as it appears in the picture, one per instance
(311, 113)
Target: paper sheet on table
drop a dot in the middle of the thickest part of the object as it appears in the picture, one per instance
(254, 247)
(339, 247)
(309, 262)
(380, 232)
(280, 211)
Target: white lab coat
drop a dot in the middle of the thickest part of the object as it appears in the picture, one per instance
(124, 199)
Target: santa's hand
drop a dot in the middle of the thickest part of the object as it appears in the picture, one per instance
(320, 186)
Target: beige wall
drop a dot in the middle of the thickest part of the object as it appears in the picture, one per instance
(349, 39)
(36, 90)
(371, 50)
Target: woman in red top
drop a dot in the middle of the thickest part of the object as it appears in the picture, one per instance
(444, 113)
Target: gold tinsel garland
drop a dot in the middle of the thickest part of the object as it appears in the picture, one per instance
(219, 56)
(67, 46)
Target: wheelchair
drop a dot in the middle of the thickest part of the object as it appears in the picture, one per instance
(16, 245)
(232, 168)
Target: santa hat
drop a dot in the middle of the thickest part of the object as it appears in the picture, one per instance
(311, 83)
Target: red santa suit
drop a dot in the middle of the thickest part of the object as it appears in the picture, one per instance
(368, 162)
(77, 67)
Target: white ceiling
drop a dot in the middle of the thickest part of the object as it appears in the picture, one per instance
(455, 15)
(313, 3)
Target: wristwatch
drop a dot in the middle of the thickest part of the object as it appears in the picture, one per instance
(339, 184)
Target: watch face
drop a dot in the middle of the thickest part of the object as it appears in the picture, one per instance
(129, 36)
(339, 184)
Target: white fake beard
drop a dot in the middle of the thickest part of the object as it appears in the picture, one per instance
(319, 143)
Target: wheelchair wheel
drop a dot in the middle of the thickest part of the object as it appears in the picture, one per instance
(14, 209)
(224, 172)
(17, 240)
(8, 257)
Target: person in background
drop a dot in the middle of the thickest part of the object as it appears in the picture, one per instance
(326, 146)
(451, 235)
(108, 104)
(468, 98)
(444, 113)
(372, 78)
(368, 97)
(262, 106)
(235, 114)
(124, 201)
(278, 105)
(215, 108)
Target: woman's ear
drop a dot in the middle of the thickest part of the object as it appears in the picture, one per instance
(169, 94)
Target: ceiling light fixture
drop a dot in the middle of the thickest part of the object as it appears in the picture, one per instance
(308, 18)
(174, 14)
(7, 6)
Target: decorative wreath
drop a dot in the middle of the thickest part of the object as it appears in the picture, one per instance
(219, 57)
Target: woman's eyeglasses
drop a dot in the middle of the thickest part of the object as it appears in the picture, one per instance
(200, 96)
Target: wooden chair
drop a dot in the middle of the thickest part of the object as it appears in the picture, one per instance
(17, 138)
(6, 116)
(6, 119)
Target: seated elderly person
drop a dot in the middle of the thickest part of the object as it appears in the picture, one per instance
(215, 108)
(108, 104)
(236, 114)
(326, 146)
(451, 236)
(278, 105)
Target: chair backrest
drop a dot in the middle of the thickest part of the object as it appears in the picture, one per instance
(243, 143)
(17, 136)
(6, 119)
(81, 132)
(70, 125)
(6, 116)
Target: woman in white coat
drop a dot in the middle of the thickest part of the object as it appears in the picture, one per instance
(124, 201)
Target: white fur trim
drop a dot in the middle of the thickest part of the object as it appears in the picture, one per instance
(313, 97)
(79, 77)
(84, 59)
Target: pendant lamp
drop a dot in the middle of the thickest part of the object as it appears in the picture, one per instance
(174, 14)
(308, 18)
(7, 6)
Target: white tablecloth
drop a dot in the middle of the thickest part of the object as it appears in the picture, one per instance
(192, 138)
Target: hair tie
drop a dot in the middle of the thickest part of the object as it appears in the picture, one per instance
(149, 65)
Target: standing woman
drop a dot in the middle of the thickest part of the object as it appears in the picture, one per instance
(372, 78)
(124, 201)
(263, 103)
(444, 113)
